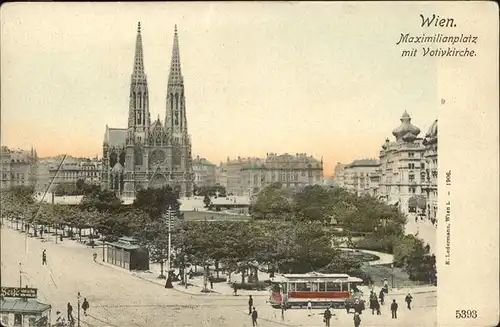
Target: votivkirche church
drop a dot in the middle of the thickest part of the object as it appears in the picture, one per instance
(150, 154)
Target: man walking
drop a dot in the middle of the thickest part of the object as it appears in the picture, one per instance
(357, 319)
(250, 304)
(95, 256)
(70, 313)
(408, 300)
(235, 289)
(85, 306)
(44, 257)
(327, 316)
(254, 317)
(394, 309)
(381, 296)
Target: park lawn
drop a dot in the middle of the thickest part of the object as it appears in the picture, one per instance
(210, 215)
(379, 272)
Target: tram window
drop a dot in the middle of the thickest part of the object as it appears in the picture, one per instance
(302, 287)
(321, 287)
(313, 287)
(333, 287)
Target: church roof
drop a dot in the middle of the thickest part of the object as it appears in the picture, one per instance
(115, 137)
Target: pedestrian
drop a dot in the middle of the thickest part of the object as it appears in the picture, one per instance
(373, 302)
(235, 289)
(211, 280)
(394, 309)
(377, 307)
(250, 304)
(408, 300)
(309, 307)
(386, 286)
(70, 313)
(44, 257)
(85, 306)
(381, 296)
(357, 319)
(255, 315)
(327, 316)
(95, 256)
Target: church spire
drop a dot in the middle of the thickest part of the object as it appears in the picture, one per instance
(175, 75)
(176, 120)
(139, 57)
(139, 97)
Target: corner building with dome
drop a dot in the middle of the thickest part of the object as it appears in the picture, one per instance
(408, 170)
(150, 154)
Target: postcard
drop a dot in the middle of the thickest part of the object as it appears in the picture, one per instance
(249, 164)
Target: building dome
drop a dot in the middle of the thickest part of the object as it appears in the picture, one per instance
(405, 127)
(433, 129)
(431, 136)
(409, 137)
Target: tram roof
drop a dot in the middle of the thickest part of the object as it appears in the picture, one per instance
(315, 276)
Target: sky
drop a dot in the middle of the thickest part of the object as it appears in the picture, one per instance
(326, 79)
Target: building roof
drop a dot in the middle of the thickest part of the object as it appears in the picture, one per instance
(202, 162)
(23, 306)
(115, 137)
(363, 163)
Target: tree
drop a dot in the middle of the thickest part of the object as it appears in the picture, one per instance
(411, 254)
(80, 184)
(101, 200)
(313, 203)
(156, 201)
(206, 201)
(273, 202)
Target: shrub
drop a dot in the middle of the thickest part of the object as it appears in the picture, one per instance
(375, 244)
(257, 286)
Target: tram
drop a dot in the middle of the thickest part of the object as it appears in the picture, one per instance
(321, 289)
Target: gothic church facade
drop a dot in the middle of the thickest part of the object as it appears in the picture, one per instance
(150, 154)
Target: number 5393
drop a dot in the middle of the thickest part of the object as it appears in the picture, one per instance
(466, 314)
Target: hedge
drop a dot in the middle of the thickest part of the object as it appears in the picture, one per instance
(257, 286)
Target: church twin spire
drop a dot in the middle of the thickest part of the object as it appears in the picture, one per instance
(139, 56)
(175, 75)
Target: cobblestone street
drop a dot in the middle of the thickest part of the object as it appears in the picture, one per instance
(118, 298)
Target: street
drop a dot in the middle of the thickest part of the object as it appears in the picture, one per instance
(117, 298)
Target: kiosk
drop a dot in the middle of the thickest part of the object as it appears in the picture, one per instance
(126, 253)
(19, 307)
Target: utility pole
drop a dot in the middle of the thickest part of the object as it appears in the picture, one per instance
(103, 246)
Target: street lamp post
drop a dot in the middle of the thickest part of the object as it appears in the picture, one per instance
(78, 298)
(103, 246)
(168, 282)
(392, 275)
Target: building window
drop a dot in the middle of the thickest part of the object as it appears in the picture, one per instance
(411, 165)
(411, 154)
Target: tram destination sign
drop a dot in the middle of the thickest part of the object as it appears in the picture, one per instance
(22, 292)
